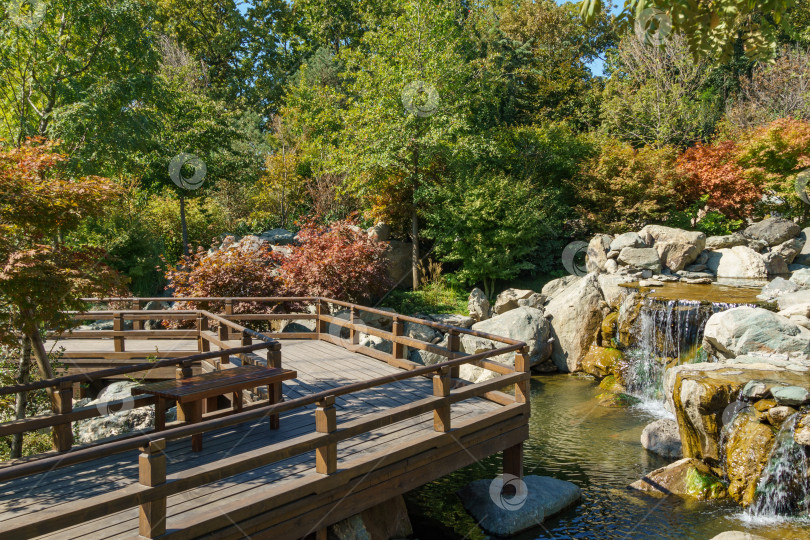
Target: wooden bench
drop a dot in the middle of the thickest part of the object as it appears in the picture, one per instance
(190, 392)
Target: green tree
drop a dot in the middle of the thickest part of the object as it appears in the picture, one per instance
(489, 224)
(409, 97)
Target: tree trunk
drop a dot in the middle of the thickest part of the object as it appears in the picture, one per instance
(183, 225)
(415, 238)
(23, 377)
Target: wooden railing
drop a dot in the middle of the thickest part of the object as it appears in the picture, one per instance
(154, 486)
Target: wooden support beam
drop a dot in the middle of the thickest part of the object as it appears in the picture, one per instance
(441, 388)
(354, 337)
(513, 461)
(118, 326)
(137, 324)
(63, 433)
(523, 388)
(326, 422)
(152, 472)
(228, 313)
(321, 326)
(274, 392)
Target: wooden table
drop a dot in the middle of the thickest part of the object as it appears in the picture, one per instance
(190, 392)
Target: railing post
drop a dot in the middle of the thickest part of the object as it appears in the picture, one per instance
(152, 472)
(202, 326)
(320, 325)
(118, 326)
(63, 433)
(228, 312)
(223, 337)
(441, 388)
(136, 306)
(354, 337)
(397, 349)
(274, 393)
(454, 345)
(326, 422)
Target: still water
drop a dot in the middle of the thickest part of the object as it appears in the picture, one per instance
(574, 439)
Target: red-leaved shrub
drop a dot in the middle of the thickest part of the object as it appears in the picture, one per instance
(337, 261)
(714, 170)
(229, 273)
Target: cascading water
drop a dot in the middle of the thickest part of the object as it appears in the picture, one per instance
(667, 333)
(784, 486)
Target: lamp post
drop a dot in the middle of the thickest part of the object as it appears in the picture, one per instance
(191, 183)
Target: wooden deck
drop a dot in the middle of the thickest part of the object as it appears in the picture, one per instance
(358, 426)
(320, 366)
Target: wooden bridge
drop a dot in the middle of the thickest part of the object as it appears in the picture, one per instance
(357, 425)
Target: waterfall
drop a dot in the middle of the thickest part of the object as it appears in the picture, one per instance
(784, 486)
(668, 333)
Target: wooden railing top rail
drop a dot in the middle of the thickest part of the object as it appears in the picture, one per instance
(249, 413)
(394, 316)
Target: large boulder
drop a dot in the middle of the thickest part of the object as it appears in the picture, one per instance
(452, 319)
(799, 314)
(628, 239)
(687, 477)
(801, 278)
(478, 305)
(737, 262)
(748, 330)
(601, 361)
(536, 498)
(281, 237)
(701, 396)
(524, 324)
(380, 232)
(509, 298)
(597, 253)
(775, 264)
(738, 535)
(663, 438)
(789, 249)
(556, 286)
(646, 258)
(788, 300)
(675, 247)
(773, 231)
(116, 420)
(576, 315)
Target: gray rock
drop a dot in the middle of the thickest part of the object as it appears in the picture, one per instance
(556, 286)
(756, 244)
(597, 253)
(452, 319)
(650, 283)
(279, 237)
(299, 326)
(375, 342)
(612, 254)
(777, 287)
(523, 323)
(789, 249)
(536, 300)
(773, 230)
(727, 241)
(801, 278)
(788, 300)
(628, 239)
(611, 289)
(748, 330)
(509, 298)
(400, 263)
(421, 332)
(756, 390)
(803, 256)
(478, 305)
(702, 258)
(791, 396)
(799, 314)
(777, 415)
(737, 262)
(696, 268)
(698, 281)
(737, 535)
(645, 258)
(385, 520)
(380, 232)
(796, 267)
(428, 358)
(537, 498)
(676, 247)
(576, 315)
(775, 264)
(695, 275)
(663, 438)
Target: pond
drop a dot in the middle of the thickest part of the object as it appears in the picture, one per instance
(573, 438)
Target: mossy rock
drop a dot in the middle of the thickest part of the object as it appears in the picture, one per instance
(703, 485)
(608, 329)
(747, 450)
(617, 400)
(611, 384)
(601, 361)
